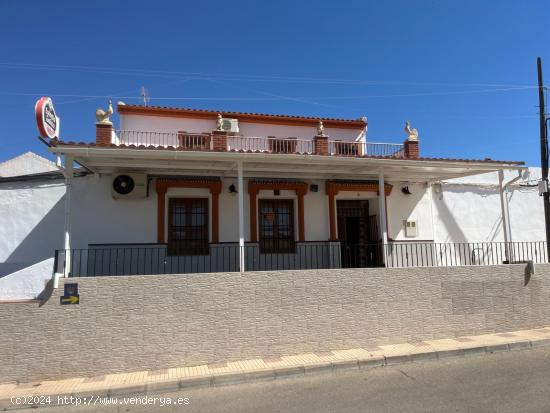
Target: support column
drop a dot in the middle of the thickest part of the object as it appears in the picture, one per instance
(253, 216)
(161, 211)
(240, 191)
(67, 234)
(382, 213)
(215, 216)
(301, 221)
(332, 216)
(504, 214)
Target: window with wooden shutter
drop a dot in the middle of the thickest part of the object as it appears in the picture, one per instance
(276, 217)
(188, 226)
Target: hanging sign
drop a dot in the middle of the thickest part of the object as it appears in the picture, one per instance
(46, 119)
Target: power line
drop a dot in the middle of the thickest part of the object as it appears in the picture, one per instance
(242, 77)
(278, 97)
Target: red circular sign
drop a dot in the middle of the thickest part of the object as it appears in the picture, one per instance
(46, 119)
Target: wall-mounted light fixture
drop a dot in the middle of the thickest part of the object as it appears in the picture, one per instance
(232, 189)
(406, 190)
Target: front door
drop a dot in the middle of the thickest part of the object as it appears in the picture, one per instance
(357, 232)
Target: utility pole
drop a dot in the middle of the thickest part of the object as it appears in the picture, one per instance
(544, 158)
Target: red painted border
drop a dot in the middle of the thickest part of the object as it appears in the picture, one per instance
(39, 115)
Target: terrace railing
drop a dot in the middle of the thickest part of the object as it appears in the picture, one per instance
(343, 148)
(139, 259)
(181, 140)
(268, 144)
(405, 254)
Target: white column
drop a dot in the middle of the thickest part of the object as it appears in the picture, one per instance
(504, 213)
(67, 234)
(240, 191)
(382, 214)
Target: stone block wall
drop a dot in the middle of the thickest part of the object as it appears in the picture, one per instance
(132, 323)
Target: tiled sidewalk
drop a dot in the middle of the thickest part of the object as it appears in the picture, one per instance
(274, 368)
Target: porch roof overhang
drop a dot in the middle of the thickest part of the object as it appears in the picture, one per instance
(105, 160)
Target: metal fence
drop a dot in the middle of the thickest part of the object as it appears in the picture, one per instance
(140, 259)
(463, 253)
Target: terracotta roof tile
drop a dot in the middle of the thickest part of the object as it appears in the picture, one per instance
(172, 148)
(159, 110)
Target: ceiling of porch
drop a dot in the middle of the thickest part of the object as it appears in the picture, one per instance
(111, 160)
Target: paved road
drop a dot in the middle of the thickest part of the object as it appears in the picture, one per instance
(516, 381)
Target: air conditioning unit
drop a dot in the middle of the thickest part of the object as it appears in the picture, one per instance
(230, 125)
(129, 186)
(411, 228)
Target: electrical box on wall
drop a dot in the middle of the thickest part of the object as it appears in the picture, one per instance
(411, 228)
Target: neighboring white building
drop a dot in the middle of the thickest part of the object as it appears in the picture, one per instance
(170, 192)
(26, 164)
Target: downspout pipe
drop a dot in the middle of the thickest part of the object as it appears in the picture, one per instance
(68, 172)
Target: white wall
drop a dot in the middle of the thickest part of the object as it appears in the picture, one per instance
(173, 125)
(31, 222)
(468, 209)
(414, 207)
(99, 218)
(27, 283)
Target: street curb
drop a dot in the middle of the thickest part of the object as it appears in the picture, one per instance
(284, 372)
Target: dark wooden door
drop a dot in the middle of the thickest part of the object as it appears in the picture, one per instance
(353, 231)
(358, 234)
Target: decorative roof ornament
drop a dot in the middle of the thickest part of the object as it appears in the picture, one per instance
(219, 122)
(411, 132)
(320, 129)
(102, 116)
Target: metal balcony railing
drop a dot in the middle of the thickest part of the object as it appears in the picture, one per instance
(267, 144)
(140, 259)
(343, 148)
(270, 144)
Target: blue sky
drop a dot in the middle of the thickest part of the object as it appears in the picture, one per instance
(463, 72)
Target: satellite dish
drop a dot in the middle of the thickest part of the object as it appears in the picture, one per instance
(123, 184)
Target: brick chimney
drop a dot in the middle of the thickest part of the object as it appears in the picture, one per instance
(320, 140)
(411, 149)
(219, 141)
(320, 144)
(103, 134)
(410, 146)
